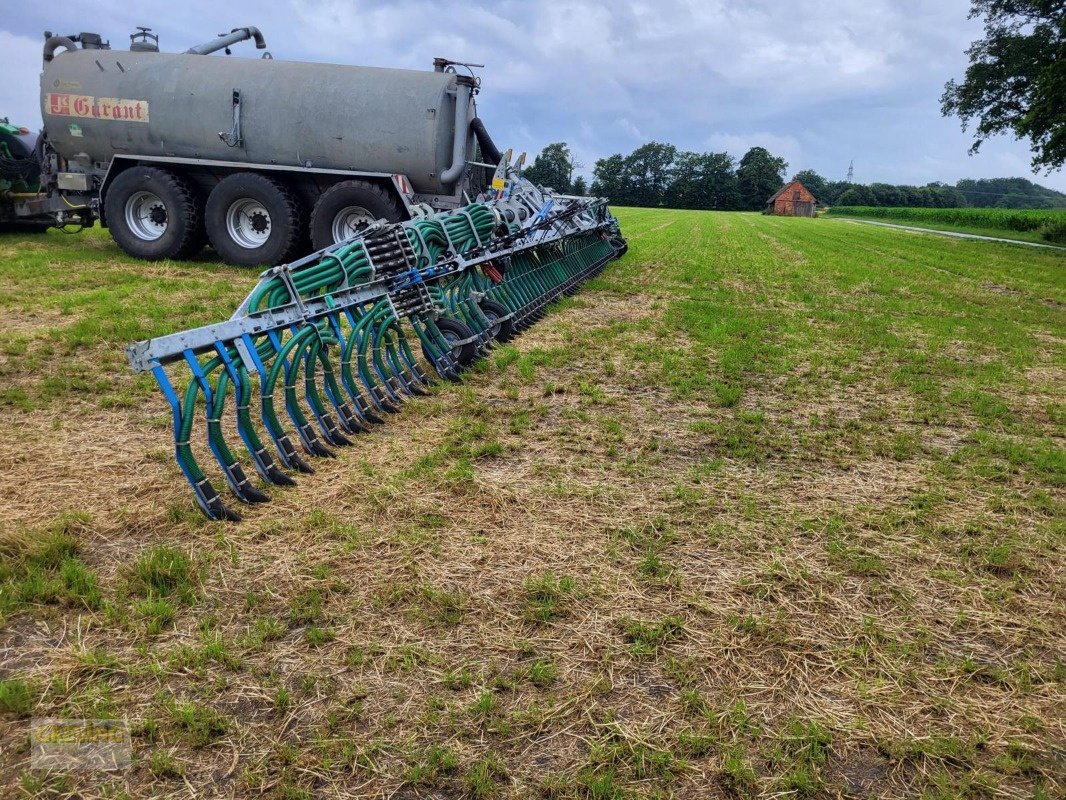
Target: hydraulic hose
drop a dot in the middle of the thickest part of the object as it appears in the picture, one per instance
(489, 151)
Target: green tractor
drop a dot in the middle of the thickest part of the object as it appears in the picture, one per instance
(20, 176)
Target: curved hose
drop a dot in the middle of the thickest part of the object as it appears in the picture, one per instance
(52, 42)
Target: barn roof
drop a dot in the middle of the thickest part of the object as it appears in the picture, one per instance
(781, 191)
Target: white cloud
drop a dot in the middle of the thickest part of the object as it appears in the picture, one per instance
(20, 90)
(627, 126)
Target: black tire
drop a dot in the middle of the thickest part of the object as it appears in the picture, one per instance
(495, 312)
(451, 328)
(169, 226)
(253, 220)
(377, 202)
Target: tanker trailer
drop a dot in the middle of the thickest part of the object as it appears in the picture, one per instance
(256, 156)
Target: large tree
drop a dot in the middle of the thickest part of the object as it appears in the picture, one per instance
(720, 174)
(758, 177)
(702, 180)
(990, 192)
(608, 179)
(856, 195)
(1016, 80)
(649, 171)
(815, 183)
(554, 167)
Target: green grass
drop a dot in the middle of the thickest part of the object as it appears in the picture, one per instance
(1044, 226)
(17, 697)
(80, 297)
(44, 567)
(772, 507)
(196, 724)
(547, 597)
(646, 637)
(163, 572)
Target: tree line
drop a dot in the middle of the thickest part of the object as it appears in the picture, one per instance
(660, 175)
(1009, 193)
(969, 192)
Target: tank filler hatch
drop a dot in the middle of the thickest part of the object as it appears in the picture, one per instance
(144, 41)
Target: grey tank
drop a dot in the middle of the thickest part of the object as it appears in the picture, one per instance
(324, 116)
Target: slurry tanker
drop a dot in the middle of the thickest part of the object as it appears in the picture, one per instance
(265, 159)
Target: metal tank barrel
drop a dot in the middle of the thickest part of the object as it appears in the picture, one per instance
(104, 103)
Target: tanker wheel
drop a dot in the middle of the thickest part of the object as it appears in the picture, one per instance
(154, 214)
(346, 208)
(252, 220)
(501, 329)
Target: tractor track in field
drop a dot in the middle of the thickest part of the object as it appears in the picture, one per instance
(955, 234)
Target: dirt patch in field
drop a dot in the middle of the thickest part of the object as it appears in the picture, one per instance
(616, 312)
(1049, 379)
(32, 322)
(85, 459)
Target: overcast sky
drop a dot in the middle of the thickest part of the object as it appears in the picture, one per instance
(819, 83)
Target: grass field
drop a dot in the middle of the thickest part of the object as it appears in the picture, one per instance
(1043, 226)
(774, 507)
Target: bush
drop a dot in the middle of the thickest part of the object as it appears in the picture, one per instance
(1055, 232)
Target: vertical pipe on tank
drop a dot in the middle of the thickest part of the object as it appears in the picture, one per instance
(462, 133)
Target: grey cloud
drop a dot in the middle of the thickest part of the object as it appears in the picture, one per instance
(820, 82)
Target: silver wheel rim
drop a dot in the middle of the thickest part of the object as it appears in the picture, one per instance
(146, 216)
(248, 223)
(451, 337)
(494, 323)
(349, 221)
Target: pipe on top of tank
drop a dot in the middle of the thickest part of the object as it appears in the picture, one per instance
(237, 35)
(53, 42)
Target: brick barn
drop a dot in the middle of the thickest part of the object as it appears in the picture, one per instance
(792, 200)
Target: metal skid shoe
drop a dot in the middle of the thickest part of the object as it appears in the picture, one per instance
(324, 348)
